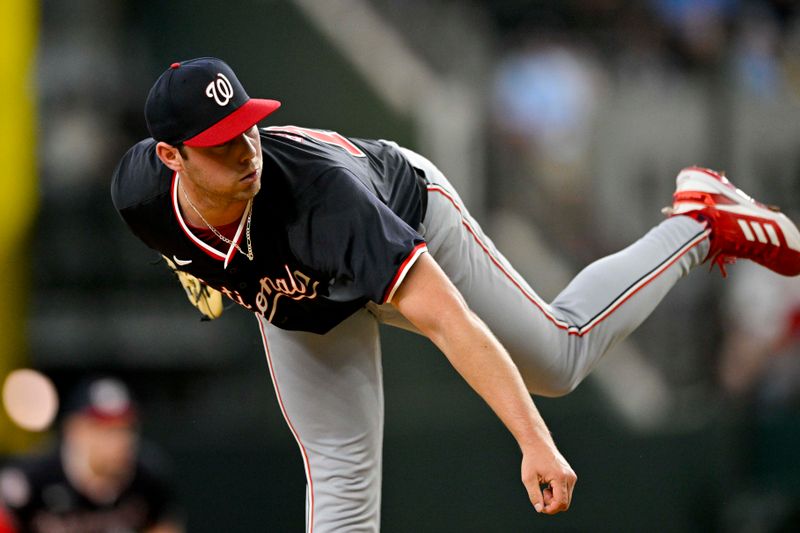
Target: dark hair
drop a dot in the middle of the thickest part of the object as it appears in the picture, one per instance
(182, 150)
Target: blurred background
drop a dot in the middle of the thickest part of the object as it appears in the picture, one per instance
(563, 123)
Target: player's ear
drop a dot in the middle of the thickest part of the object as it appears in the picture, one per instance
(170, 156)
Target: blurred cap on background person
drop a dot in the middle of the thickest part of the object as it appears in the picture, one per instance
(102, 399)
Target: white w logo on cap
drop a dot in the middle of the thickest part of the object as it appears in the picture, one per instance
(220, 90)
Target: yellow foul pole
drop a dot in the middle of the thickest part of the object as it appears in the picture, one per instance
(18, 188)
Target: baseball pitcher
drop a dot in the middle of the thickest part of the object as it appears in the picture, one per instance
(322, 237)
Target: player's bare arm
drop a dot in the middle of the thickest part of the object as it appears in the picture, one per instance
(433, 304)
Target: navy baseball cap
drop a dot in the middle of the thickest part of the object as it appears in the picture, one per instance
(200, 102)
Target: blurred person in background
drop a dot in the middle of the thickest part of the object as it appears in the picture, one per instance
(759, 372)
(99, 478)
(761, 355)
(545, 96)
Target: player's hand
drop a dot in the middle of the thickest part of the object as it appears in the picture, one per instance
(548, 478)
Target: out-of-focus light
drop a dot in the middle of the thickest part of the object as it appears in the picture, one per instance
(30, 399)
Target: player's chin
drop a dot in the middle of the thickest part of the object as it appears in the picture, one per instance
(249, 189)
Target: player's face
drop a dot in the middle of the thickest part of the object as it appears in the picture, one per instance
(230, 171)
(113, 451)
(108, 448)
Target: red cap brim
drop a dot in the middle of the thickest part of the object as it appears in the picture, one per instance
(248, 115)
(125, 417)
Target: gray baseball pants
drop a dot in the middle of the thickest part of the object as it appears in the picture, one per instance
(329, 387)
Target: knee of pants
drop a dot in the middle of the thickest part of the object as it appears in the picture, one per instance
(347, 462)
(549, 384)
(346, 492)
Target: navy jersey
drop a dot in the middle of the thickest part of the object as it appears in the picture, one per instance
(333, 227)
(40, 499)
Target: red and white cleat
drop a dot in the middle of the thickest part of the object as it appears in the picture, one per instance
(741, 228)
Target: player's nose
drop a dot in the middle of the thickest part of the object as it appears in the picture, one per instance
(248, 147)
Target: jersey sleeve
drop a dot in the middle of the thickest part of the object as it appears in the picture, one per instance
(140, 192)
(349, 234)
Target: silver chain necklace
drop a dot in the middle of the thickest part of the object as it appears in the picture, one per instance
(222, 237)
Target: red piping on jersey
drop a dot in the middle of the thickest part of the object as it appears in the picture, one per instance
(622, 298)
(210, 250)
(303, 451)
(411, 258)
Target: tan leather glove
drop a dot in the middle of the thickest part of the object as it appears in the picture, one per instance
(207, 300)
